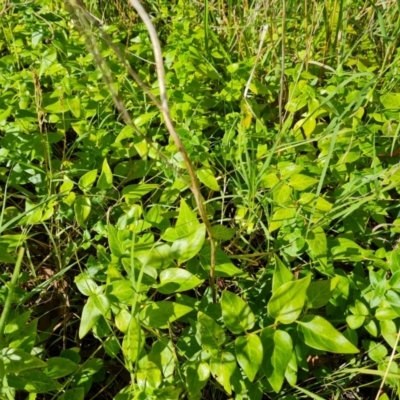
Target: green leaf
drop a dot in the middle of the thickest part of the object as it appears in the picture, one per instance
(73, 394)
(57, 367)
(5, 257)
(132, 193)
(277, 354)
(85, 284)
(210, 334)
(86, 181)
(249, 353)
(106, 177)
(133, 341)
(33, 382)
(187, 221)
(282, 194)
(149, 375)
(316, 240)
(90, 315)
(177, 280)
(25, 337)
(236, 313)
(162, 354)
(221, 232)
(207, 177)
(145, 117)
(82, 207)
(391, 101)
(121, 289)
(282, 274)
(197, 375)
(185, 248)
(158, 314)
(74, 105)
(48, 59)
(302, 182)
(320, 292)
(321, 335)
(116, 247)
(16, 360)
(222, 367)
(223, 265)
(279, 216)
(286, 303)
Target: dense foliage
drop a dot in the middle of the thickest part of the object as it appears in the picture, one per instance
(295, 140)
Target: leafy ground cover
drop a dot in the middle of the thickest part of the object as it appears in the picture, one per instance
(289, 112)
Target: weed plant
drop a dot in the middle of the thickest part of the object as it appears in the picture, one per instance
(114, 284)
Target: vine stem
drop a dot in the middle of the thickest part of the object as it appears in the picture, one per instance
(195, 186)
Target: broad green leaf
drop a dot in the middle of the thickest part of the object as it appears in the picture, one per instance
(291, 370)
(116, 247)
(48, 59)
(57, 367)
(24, 338)
(144, 118)
(90, 315)
(221, 232)
(282, 274)
(210, 334)
(162, 354)
(102, 303)
(126, 133)
(187, 221)
(391, 101)
(316, 240)
(222, 367)
(177, 280)
(223, 265)
(149, 375)
(74, 104)
(249, 353)
(197, 375)
(207, 177)
(236, 313)
(6, 257)
(302, 182)
(33, 382)
(279, 216)
(132, 193)
(121, 289)
(278, 347)
(85, 284)
(394, 260)
(308, 126)
(185, 248)
(321, 335)
(320, 292)
(287, 302)
(389, 332)
(73, 394)
(122, 320)
(16, 360)
(158, 255)
(282, 194)
(82, 207)
(106, 177)
(133, 341)
(158, 314)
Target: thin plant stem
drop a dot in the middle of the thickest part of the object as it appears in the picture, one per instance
(10, 294)
(282, 80)
(195, 186)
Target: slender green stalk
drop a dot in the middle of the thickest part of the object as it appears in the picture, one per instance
(10, 294)
(282, 80)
